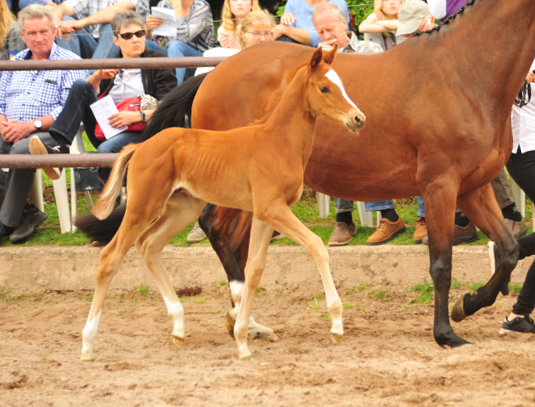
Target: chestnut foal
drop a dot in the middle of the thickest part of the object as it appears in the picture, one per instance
(258, 168)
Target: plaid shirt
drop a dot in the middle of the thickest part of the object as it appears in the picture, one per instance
(85, 8)
(28, 95)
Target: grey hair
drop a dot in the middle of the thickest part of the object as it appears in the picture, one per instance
(336, 11)
(125, 19)
(35, 11)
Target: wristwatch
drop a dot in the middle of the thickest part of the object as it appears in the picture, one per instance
(142, 116)
(38, 124)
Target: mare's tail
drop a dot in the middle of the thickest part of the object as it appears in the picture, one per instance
(106, 203)
(101, 231)
(174, 107)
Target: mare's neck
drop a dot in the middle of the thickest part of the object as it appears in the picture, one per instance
(292, 123)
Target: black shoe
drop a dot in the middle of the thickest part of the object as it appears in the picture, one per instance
(38, 147)
(494, 260)
(519, 324)
(31, 218)
(5, 231)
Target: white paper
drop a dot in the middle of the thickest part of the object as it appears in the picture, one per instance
(102, 109)
(168, 27)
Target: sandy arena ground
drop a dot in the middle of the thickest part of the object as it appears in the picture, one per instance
(388, 357)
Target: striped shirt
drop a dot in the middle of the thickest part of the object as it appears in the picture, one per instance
(28, 95)
(197, 29)
(86, 8)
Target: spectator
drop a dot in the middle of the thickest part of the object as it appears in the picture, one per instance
(255, 28)
(30, 101)
(296, 23)
(384, 20)
(89, 22)
(442, 9)
(232, 15)
(414, 16)
(11, 42)
(119, 84)
(195, 31)
(521, 167)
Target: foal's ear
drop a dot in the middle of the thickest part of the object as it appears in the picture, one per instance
(316, 58)
(328, 57)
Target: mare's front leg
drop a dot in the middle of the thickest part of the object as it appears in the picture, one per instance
(258, 248)
(180, 211)
(482, 209)
(228, 231)
(440, 201)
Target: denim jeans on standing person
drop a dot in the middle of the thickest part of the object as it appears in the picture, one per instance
(389, 204)
(181, 49)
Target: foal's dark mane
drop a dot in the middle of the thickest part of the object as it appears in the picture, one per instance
(448, 20)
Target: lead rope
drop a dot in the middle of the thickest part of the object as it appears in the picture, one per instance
(524, 96)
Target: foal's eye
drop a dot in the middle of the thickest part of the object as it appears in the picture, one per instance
(324, 89)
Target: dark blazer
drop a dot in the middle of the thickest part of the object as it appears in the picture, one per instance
(156, 82)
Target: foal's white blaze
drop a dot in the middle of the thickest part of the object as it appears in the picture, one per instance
(176, 311)
(334, 78)
(89, 334)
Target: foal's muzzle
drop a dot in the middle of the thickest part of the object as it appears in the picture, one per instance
(356, 122)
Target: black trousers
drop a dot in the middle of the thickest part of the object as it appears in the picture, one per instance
(521, 167)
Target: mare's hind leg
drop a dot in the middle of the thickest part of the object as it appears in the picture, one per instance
(280, 217)
(110, 259)
(179, 212)
(439, 198)
(228, 231)
(256, 262)
(482, 209)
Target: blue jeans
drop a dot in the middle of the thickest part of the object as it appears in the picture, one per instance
(81, 43)
(343, 205)
(181, 49)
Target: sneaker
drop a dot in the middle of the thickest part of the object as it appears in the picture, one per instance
(196, 234)
(464, 234)
(277, 235)
(519, 324)
(386, 231)
(494, 260)
(38, 147)
(342, 234)
(519, 229)
(421, 230)
(31, 218)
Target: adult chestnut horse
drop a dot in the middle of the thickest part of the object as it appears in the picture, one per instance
(438, 108)
(257, 168)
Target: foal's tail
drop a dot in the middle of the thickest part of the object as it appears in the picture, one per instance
(106, 203)
(174, 107)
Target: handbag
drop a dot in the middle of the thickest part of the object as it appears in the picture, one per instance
(142, 102)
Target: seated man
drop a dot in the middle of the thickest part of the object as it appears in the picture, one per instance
(30, 101)
(91, 20)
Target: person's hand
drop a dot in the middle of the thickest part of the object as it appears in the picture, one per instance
(278, 31)
(14, 131)
(152, 22)
(530, 77)
(64, 28)
(124, 118)
(288, 19)
(327, 45)
(107, 73)
(229, 41)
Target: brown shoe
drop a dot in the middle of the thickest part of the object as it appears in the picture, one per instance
(421, 230)
(386, 231)
(342, 234)
(519, 229)
(464, 234)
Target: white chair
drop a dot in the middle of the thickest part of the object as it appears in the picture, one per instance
(77, 147)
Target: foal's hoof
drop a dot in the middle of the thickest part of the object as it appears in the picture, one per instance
(457, 313)
(179, 342)
(267, 335)
(246, 354)
(337, 339)
(229, 323)
(87, 357)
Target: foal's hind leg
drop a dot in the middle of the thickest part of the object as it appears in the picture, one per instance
(482, 209)
(228, 231)
(179, 212)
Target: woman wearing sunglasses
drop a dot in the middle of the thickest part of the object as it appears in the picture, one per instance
(129, 36)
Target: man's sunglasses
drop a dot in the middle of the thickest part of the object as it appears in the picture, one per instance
(127, 36)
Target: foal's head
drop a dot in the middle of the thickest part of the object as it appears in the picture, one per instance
(327, 95)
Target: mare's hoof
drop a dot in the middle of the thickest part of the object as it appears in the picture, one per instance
(457, 313)
(337, 339)
(229, 323)
(179, 342)
(267, 335)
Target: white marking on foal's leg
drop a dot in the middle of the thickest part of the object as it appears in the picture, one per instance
(334, 78)
(175, 310)
(236, 293)
(88, 336)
